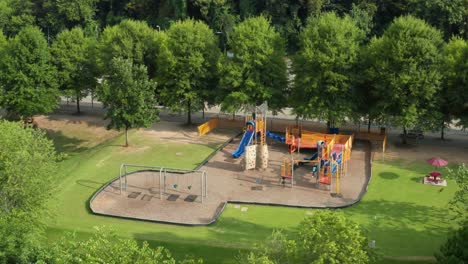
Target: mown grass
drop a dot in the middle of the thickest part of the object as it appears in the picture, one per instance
(405, 217)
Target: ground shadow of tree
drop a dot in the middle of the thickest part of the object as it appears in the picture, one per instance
(65, 144)
(401, 225)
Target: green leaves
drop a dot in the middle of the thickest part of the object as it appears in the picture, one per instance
(188, 74)
(324, 237)
(27, 176)
(28, 78)
(73, 55)
(257, 72)
(128, 95)
(328, 52)
(404, 68)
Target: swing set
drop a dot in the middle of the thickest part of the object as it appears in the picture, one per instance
(166, 178)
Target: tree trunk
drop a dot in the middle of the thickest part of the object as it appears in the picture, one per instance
(328, 125)
(126, 136)
(203, 113)
(404, 136)
(442, 130)
(78, 111)
(189, 112)
(368, 125)
(92, 100)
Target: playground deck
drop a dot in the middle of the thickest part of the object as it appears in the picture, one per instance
(227, 182)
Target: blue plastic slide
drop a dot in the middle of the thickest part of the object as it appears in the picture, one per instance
(275, 137)
(246, 138)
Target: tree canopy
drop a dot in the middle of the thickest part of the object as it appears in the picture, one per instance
(189, 72)
(128, 95)
(133, 40)
(327, 54)
(27, 169)
(404, 70)
(256, 71)
(27, 75)
(74, 57)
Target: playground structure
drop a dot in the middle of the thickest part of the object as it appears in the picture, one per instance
(253, 142)
(165, 181)
(162, 194)
(330, 159)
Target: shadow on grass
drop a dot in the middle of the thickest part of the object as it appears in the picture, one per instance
(389, 175)
(244, 236)
(417, 179)
(404, 228)
(65, 144)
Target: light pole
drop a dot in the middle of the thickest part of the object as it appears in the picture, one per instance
(158, 27)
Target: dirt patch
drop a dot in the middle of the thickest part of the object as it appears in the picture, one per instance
(181, 133)
(454, 149)
(75, 132)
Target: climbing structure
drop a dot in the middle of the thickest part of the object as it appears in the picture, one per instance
(253, 142)
(330, 160)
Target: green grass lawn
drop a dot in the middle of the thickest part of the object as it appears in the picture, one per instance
(405, 217)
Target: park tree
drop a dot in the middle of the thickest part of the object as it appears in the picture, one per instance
(128, 95)
(189, 72)
(454, 249)
(328, 52)
(459, 202)
(27, 169)
(73, 55)
(452, 101)
(133, 40)
(14, 15)
(325, 237)
(257, 70)
(27, 75)
(405, 70)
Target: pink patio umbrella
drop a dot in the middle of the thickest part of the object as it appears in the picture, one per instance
(437, 162)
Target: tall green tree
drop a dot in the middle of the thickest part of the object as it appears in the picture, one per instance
(27, 169)
(190, 70)
(328, 52)
(405, 69)
(257, 70)
(133, 40)
(27, 75)
(453, 99)
(128, 95)
(73, 55)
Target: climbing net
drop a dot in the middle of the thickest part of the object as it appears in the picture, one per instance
(166, 180)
